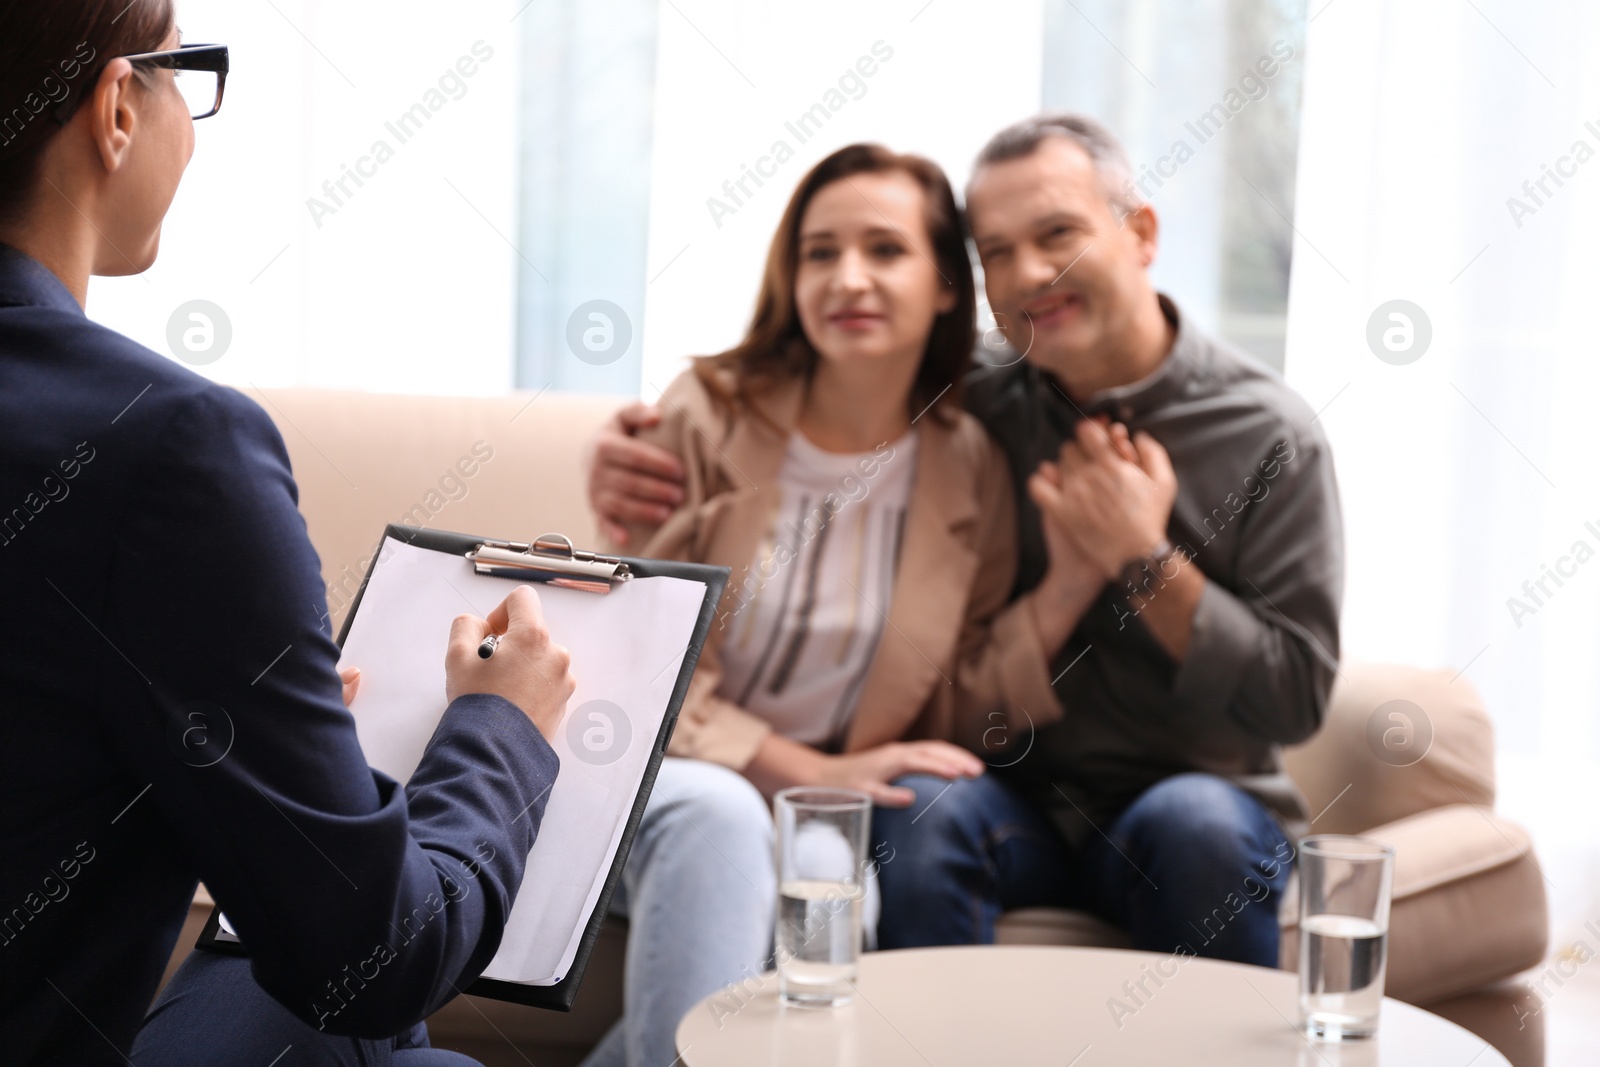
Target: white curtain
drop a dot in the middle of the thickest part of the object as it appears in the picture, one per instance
(1450, 158)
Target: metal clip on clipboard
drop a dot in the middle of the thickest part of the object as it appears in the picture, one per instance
(550, 559)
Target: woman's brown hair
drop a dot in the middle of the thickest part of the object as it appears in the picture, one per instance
(775, 348)
(51, 54)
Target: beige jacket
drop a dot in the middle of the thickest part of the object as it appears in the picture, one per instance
(952, 652)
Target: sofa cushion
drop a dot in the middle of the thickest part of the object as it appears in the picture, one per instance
(1396, 741)
(1057, 926)
(1468, 907)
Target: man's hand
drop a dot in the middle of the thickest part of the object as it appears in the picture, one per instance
(629, 480)
(1115, 496)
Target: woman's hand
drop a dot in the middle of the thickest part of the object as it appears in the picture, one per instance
(871, 771)
(1073, 581)
(528, 668)
(1070, 565)
(351, 677)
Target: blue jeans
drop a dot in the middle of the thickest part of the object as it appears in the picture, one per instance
(700, 894)
(1193, 865)
(212, 1012)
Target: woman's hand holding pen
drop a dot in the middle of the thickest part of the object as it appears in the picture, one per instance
(526, 668)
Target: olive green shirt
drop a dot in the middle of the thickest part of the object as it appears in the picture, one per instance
(1258, 512)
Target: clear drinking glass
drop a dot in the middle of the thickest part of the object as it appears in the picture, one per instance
(822, 865)
(1345, 884)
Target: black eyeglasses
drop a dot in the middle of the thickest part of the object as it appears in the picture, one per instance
(199, 70)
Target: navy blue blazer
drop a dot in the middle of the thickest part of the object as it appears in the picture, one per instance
(170, 711)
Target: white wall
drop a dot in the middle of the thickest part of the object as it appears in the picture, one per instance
(959, 71)
(410, 285)
(1470, 470)
(406, 288)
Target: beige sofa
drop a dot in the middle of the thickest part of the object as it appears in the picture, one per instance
(1469, 902)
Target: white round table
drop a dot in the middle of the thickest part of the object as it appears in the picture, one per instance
(1063, 1007)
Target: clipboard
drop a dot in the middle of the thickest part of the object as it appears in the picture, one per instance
(549, 560)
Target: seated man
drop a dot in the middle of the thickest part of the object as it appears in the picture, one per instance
(1198, 495)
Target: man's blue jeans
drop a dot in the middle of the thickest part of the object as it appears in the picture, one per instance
(1193, 865)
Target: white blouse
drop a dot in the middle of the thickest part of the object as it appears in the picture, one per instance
(799, 648)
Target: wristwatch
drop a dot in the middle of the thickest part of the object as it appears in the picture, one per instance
(1150, 562)
(1159, 554)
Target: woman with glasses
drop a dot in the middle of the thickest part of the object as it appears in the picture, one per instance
(171, 708)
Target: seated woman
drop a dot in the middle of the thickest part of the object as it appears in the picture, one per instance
(869, 525)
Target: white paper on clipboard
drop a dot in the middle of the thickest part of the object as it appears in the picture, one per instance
(627, 648)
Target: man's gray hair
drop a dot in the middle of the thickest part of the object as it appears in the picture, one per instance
(1110, 159)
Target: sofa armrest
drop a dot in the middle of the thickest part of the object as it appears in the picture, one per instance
(1396, 741)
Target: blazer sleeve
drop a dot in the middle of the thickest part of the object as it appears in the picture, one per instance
(1002, 681)
(709, 727)
(330, 871)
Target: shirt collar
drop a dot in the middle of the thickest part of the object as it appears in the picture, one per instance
(1161, 386)
(25, 282)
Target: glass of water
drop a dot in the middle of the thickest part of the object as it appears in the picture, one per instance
(822, 865)
(1345, 884)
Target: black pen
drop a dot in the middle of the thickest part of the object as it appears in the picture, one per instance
(488, 645)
